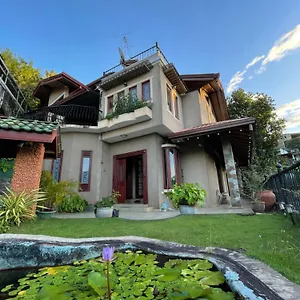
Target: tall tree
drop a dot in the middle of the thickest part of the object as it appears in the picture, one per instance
(26, 75)
(269, 127)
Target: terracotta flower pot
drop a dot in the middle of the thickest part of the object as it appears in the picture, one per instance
(268, 197)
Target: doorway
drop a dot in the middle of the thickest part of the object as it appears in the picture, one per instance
(130, 177)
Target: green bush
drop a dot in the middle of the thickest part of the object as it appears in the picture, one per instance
(187, 194)
(73, 203)
(56, 192)
(126, 105)
(108, 201)
(18, 207)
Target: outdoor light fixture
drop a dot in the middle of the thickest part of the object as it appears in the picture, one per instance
(123, 136)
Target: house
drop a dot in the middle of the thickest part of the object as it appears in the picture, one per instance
(141, 127)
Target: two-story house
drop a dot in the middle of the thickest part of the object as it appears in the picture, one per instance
(180, 133)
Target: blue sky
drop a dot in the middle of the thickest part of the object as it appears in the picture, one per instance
(82, 38)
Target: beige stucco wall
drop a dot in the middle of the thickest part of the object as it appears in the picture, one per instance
(57, 93)
(152, 143)
(73, 144)
(191, 109)
(198, 167)
(47, 165)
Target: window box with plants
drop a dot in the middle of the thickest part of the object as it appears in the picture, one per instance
(104, 207)
(187, 197)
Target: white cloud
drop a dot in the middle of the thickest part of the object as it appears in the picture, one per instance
(290, 112)
(235, 81)
(288, 43)
(254, 61)
(284, 46)
(238, 77)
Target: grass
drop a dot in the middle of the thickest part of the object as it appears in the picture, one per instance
(269, 238)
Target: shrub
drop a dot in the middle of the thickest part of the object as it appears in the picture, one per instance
(126, 105)
(56, 192)
(73, 203)
(187, 194)
(18, 207)
(108, 201)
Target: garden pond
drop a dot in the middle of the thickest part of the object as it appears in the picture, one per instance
(133, 275)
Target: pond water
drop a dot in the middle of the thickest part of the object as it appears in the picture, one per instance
(135, 275)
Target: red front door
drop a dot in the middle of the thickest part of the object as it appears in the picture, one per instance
(120, 179)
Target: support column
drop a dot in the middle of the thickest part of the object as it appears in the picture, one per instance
(28, 168)
(235, 198)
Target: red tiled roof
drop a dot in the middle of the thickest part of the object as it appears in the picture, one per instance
(212, 127)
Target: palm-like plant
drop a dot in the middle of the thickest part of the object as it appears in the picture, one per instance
(18, 207)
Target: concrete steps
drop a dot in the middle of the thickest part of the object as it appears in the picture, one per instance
(133, 207)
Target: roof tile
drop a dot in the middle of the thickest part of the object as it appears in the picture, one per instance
(27, 125)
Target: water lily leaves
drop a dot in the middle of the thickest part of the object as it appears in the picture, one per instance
(212, 278)
(134, 275)
(218, 294)
(167, 275)
(98, 282)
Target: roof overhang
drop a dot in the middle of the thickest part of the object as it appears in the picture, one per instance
(239, 132)
(135, 70)
(175, 79)
(212, 85)
(60, 80)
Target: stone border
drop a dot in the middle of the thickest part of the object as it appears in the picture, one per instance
(249, 277)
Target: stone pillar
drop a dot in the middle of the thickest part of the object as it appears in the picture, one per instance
(235, 198)
(28, 168)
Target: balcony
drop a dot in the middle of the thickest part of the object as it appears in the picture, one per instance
(137, 116)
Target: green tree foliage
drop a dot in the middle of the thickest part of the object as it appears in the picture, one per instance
(268, 129)
(26, 75)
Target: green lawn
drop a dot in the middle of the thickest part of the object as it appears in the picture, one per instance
(270, 238)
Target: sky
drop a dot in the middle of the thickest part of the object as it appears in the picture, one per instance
(253, 44)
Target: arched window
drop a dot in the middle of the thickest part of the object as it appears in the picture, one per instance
(171, 163)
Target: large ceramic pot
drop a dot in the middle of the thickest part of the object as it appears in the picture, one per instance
(45, 214)
(268, 197)
(104, 212)
(258, 206)
(187, 210)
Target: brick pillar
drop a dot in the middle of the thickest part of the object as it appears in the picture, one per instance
(28, 168)
(235, 198)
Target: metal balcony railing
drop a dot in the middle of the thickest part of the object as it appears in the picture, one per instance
(12, 100)
(141, 56)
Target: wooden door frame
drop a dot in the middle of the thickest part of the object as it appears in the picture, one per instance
(145, 172)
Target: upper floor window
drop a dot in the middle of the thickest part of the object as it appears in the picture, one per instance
(85, 170)
(169, 98)
(146, 94)
(110, 103)
(133, 92)
(176, 109)
(121, 95)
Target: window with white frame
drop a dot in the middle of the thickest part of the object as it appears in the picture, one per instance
(169, 99)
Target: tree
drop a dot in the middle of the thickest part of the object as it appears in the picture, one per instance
(268, 129)
(25, 74)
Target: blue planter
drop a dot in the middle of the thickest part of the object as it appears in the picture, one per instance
(187, 210)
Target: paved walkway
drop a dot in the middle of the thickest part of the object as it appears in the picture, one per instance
(159, 215)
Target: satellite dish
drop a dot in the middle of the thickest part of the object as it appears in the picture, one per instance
(122, 57)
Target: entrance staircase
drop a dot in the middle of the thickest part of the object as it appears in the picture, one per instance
(131, 207)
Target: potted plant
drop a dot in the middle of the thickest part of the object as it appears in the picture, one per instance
(186, 197)
(254, 182)
(104, 207)
(55, 193)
